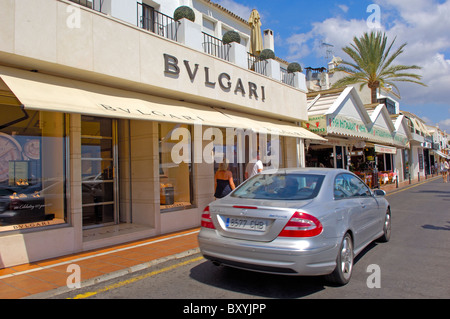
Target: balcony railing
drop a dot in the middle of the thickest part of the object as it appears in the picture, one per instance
(216, 47)
(157, 22)
(256, 64)
(96, 5)
(286, 77)
(163, 25)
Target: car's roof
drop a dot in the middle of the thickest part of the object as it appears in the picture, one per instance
(305, 170)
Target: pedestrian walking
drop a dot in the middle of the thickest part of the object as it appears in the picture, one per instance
(223, 181)
(447, 164)
(444, 169)
(254, 167)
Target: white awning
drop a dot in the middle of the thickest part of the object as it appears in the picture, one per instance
(439, 153)
(44, 92)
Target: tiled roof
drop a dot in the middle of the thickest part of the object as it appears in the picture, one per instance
(226, 11)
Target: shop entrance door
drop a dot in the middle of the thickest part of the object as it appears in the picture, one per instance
(99, 179)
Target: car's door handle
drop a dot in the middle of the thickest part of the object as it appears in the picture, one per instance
(363, 205)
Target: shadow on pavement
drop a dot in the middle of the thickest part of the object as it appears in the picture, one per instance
(262, 284)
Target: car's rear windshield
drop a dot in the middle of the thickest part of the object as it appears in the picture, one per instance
(280, 187)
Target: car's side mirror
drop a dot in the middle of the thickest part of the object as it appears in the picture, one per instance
(379, 192)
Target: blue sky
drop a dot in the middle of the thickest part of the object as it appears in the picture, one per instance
(301, 27)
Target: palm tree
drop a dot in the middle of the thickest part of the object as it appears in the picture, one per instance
(372, 65)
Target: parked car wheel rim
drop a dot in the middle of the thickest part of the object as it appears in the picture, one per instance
(347, 257)
(387, 225)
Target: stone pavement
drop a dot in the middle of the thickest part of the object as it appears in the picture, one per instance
(49, 277)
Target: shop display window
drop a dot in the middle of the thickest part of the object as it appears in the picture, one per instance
(238, 146)
(32, 169)
(175, 166)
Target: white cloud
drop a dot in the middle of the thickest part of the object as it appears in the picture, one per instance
(343, 7)
(422, 24)
(445, 125)
(237, 8)
(336, 31)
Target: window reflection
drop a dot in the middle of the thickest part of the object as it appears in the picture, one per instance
(97, 162)
(175, 168)
(32, 169)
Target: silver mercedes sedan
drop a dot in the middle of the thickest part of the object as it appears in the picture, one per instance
(302, 221)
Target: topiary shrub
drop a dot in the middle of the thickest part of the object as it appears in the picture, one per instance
(184, 12)
(231, 36)
(294, 67)
(267, 54)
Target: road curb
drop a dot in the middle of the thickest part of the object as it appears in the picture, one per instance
(114, 275)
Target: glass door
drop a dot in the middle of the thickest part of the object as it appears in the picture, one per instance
(98, 163)
(148, 17)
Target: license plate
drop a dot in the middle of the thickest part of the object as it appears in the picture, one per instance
(246, 223)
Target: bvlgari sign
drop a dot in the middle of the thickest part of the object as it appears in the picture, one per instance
(223, 80)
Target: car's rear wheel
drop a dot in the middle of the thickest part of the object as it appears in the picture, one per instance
(386, 227)
(344, 262)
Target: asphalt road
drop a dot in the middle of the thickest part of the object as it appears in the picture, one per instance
(414, 264)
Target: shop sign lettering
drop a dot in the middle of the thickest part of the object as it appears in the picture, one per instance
(352, 127)
(172, 68)
(32, 225)
(340, 124)
(152, 113)
(316, 124)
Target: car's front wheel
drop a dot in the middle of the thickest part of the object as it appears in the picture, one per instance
(386, 227)
(344, 262)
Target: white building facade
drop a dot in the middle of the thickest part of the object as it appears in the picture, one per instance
(115, 116)
(412, 157)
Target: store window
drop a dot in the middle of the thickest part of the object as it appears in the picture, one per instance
(32, 169)
(320, 156)
(175, 166)
(98, 163)
(209, 26)
(239, 147)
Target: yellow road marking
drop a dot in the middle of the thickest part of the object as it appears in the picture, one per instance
(135, 279)
(412, 186)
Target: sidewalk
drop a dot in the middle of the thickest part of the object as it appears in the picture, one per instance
(49, 277)
(388, 188)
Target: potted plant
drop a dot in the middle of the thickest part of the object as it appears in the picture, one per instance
(267, 54)
(231, 36)
(294, 67)
(184, 12)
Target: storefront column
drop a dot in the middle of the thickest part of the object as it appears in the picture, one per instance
(75, 209)
(145, 173)
(203, 171)
(294, 152)
(301, 153)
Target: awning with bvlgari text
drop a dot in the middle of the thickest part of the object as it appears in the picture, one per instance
(37, 91)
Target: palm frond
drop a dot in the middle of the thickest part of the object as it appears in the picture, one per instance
(372, 63)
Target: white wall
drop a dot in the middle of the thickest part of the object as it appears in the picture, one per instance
(104, 50)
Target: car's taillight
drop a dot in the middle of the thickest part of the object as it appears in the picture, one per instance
(302, 225)
(206, 219)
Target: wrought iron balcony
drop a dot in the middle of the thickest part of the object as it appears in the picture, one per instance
(157, 22)
(286, 77)
(216, 47)
(96, 5)
(164, 25)
(256, 64)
